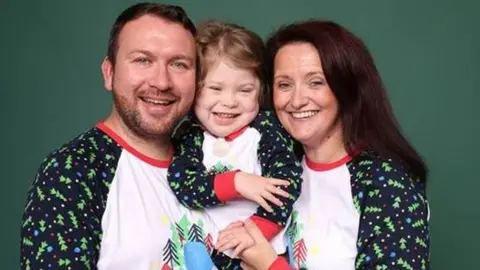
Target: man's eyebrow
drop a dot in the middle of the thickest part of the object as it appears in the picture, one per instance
(148, 53)
(183, 57)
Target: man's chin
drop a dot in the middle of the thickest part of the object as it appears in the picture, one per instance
(158, 130)
(151, 129)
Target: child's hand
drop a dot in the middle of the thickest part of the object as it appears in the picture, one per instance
(259, 189)
(234, 236)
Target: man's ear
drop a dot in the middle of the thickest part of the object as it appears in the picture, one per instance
(107, 71)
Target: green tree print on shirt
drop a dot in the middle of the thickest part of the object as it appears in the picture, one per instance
(298, 244)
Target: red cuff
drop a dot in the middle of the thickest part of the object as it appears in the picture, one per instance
(224, 186)
(280, 264)
(269, 229)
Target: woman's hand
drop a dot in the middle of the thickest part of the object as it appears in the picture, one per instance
(260, 189)
(234, 236)
(246, 266)
(261, 255)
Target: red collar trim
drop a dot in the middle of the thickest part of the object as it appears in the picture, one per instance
(326, 166)
(332, 165)
(152, 161)
(235, 134)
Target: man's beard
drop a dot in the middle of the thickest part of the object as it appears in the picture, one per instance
(132, 118)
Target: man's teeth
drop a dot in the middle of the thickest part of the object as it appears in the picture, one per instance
(225, 115)
(304, 114)
(157, 102)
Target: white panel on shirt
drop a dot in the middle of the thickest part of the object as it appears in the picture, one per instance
(242, 156)
(137, 222)
(328, 221)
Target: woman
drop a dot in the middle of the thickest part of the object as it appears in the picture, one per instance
(363, 203)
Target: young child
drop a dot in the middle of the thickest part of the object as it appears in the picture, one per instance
(231, 150)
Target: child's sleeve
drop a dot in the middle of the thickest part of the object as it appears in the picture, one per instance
(280, 264)
(189, 179)
(278, 160)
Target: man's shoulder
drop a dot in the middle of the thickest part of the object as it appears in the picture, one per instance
(90, 149)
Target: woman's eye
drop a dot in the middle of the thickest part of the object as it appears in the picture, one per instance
(283, 85)
(317, 83)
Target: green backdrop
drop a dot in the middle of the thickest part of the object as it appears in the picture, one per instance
(426, 51)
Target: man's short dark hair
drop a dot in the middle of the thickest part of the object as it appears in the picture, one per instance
(170, 13)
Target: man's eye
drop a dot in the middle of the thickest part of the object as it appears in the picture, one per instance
(178, 64)
(142, 60)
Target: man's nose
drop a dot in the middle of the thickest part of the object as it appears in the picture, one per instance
(161, 78)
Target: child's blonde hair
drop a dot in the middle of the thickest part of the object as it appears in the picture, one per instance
(242, 47)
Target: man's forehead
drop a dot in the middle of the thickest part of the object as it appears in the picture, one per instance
(150, 26)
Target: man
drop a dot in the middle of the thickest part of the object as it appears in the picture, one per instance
(102, 200)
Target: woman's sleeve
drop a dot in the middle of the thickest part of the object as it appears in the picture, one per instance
(393, 231)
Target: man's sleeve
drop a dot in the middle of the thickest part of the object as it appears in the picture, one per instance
(61, 228)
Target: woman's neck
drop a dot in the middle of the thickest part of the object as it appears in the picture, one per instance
(327, 150)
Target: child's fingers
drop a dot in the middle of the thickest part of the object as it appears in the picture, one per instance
(264, 204)
(226, 234)
(236, 224)
(235, 237)
(228, 244)
(278, 191)
(224, 239)
(278, 182)
(269, 197)
(245, 242)
(232, 227)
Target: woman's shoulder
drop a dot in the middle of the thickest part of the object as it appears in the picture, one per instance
(380, 184)
(367, 167)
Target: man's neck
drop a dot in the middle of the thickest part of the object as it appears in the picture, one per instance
(159, 148)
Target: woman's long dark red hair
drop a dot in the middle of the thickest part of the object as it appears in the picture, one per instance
(349, 69)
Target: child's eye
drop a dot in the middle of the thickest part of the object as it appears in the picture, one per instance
(246, 90)
(215, 88)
